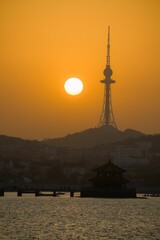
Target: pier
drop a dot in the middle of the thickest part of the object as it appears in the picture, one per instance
(57, 190)
(39, 189)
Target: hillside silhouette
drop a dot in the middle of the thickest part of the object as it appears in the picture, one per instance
(50, 160)
(94, 136)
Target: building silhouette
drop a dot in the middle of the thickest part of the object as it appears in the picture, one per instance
(109, 175)
(109, 182)
(107, 116)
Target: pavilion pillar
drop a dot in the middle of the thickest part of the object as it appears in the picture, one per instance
(54, 194)
(36, 193)
(71, 194)
(1, 193)
(19, 193)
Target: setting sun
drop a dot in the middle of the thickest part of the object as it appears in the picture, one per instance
(73, 86)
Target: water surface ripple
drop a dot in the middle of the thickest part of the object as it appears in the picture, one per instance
(49, 218)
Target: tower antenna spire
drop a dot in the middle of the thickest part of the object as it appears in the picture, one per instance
(108, 48)
(107, 116)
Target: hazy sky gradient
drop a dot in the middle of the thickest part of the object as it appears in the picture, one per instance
(44, 42)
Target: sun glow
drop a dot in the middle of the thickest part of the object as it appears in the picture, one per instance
(73, 86)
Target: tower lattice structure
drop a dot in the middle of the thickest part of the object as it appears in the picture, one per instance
(107, 116)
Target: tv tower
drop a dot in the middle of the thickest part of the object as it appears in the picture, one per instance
(107, 116)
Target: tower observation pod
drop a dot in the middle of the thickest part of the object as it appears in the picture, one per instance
(107, 116)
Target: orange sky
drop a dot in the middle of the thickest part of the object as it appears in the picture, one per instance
(44, 42)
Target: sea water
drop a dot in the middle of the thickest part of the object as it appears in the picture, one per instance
(52, 218)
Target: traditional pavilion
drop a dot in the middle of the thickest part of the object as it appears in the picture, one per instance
(109, 176)
(109, 183)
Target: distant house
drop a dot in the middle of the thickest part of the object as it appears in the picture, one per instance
(72, 170)
(10, 165)
(127, 155)
(2, 164)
